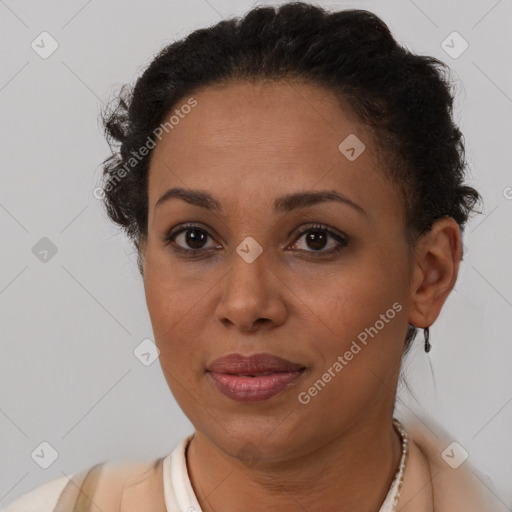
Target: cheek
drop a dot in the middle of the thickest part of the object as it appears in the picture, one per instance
(171, 313)
(365, 308)
(176, 308)
(361, 352)
(168, 297)
(352, 297)
(168, 313)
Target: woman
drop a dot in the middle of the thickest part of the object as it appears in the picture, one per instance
(293, 184)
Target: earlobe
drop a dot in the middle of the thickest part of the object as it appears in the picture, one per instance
(436, 266)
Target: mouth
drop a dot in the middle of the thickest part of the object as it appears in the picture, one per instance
(253, 378)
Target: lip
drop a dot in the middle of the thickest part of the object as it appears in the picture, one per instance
(253, 378)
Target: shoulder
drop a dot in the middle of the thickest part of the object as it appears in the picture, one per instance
(102, 484)
(453, 481)
(41, 499)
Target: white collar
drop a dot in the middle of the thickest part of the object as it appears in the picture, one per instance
(178, 490)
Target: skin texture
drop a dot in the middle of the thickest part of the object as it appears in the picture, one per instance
(247, 144)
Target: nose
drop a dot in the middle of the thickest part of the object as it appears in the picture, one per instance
(251, 296)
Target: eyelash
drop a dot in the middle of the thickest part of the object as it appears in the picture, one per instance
(169, 237)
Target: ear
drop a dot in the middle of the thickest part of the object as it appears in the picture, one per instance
(436, 266)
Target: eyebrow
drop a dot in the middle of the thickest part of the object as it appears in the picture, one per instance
(282, 204)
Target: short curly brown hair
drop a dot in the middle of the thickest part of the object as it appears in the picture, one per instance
(405, 99)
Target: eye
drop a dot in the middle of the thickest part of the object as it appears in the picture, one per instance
(317, 237)
(190, 235)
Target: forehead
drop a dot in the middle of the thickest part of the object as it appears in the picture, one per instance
(268, 139)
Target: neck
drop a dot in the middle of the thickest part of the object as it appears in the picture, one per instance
(349, 473)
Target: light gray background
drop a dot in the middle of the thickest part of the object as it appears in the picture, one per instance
(69, 326)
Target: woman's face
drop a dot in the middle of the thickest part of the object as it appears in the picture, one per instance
(264, 275)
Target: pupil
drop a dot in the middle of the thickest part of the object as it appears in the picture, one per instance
(314, 237)
(192, 239)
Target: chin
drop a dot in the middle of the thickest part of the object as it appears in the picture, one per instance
(258, 439)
